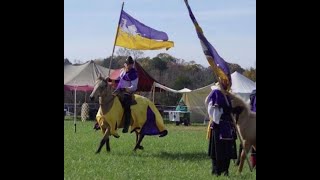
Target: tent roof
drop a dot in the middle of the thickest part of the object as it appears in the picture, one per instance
(184, 90)
(241, 84)
(83, 76)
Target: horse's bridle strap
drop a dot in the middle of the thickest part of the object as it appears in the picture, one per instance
(237, 111)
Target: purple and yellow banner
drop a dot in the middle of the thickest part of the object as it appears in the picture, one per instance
(133, 34)
(219, 66)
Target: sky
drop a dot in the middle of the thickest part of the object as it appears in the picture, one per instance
(229, 25)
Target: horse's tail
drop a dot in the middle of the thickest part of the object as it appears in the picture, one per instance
(147, 119)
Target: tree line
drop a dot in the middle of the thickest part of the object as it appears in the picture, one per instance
(170, 71)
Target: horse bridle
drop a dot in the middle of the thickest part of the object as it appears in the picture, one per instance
(237, 111)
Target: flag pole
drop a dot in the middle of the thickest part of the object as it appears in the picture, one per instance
(115, 40)
(75, 110)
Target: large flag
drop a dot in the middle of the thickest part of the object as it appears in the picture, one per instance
(133, 34)
(219, 66)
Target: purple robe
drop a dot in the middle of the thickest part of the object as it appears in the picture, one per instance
(221, 149)
(131, 75)
(253, 101)
(218, 98)
(128, 79)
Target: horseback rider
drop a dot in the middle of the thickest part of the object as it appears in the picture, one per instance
(128, 84)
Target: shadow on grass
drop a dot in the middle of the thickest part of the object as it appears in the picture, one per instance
(189, 156)
(183, 156)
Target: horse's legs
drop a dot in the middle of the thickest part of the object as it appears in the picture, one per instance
(104, 140)
(245, 150)
(108, 145)
(138, 143)
(240, 150)
(137, 136)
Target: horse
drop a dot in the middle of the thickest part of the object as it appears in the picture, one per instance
(246, 125)
(146, 119)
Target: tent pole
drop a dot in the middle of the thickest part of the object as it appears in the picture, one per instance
(75, 110)
(153, 90)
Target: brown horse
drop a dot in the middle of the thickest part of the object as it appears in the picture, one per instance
(246, 125)
(146, 119)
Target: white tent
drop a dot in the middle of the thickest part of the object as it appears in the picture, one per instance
(241, 86)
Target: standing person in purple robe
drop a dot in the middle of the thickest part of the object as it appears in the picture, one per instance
(221, 131)
(128, 84)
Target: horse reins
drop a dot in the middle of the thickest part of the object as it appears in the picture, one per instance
(237, 111)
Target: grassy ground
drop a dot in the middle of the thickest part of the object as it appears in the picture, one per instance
(182, 154)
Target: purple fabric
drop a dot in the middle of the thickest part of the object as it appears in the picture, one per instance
(225, 124)
(253, 100)
(150, 127)
(208, 49)
(218, 98)
(253, 104)
(131, 75)
(226, 130)
(142, 29)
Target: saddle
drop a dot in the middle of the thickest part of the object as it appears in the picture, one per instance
(121, 95)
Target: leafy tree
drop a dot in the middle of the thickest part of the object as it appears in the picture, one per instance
(182, 82)
(250, 73)
(159, 64)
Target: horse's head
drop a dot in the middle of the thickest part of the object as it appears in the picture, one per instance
(100, 86)
(236, 100)
(238, 105)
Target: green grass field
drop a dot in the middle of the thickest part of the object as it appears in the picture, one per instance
(182, 154)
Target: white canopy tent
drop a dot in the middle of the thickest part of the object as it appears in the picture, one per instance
(241, 85)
